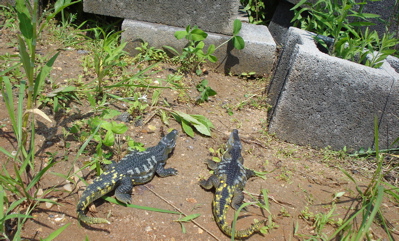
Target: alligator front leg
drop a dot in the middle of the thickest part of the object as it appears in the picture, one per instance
(164, 172)
(124, 190)
(213, 181)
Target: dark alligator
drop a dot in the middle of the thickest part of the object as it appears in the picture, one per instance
(229, 179)
(133, 169)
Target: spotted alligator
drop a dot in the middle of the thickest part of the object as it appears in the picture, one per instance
(229, 179)
(133, 169)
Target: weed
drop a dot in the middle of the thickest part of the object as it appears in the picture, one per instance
(24, 182)
(101, 131)
(332, 19)
(199, 122)
(147, 53)
(107, 54)
(58, 98)
(284, 212)
(193, 55)
(216, 154)
(319, 221)
(259, 11)
(329, 154)
(245, 75)
(6, 213)
(205, 91)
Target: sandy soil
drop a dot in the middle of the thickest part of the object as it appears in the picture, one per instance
(299, 179)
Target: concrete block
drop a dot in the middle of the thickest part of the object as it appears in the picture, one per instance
(258, 54)
(281, 21)
(319, 100)
(209, 15)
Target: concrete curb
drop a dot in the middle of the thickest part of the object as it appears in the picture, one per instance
(319, 100)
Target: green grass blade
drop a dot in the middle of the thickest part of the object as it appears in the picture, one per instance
(236, 214)
(2, 196)
(346, 224)
(5, 152)
(113, 200)
(188, 218)
(25, 59)
(39, 175)
(370, 218)
(9, 101)
(19, 116)
(57, 232)
(43, 74)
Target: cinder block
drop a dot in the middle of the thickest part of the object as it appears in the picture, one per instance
(258, 55)
(320, 100)
(281, 21)
(209, 15)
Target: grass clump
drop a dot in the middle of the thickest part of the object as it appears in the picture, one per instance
(342, 28)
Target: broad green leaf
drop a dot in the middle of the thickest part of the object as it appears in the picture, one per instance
(238, 42)
(109, 138)
(187, 128)
(201, 128)
(110, 113)
(211, 49)
(106, 125)
(198, 35)
(187, 117)
(180, 35)
(212, 58)
(200, 45)
(119, 128)
(204, 120)
(236, 26)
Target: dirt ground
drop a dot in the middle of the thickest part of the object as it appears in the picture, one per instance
(299, 179)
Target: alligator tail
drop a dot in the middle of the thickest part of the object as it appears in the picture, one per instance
(94, 191)
(241, 233)
(90, 220)
(220, 216)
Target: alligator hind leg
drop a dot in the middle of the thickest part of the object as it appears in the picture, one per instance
(124, 190)
(236, 202)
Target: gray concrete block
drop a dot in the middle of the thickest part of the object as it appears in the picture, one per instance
(281, 21)
(209, 15)
(258, 54)
(319, 100)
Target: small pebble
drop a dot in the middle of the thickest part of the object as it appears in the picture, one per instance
(80, 51)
